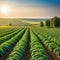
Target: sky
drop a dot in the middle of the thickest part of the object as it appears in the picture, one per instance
(30, 8)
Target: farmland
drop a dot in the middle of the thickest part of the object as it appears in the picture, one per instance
(29, 43)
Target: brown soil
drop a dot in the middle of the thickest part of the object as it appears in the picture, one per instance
(50, 54)
(8, 52)
(27, 53)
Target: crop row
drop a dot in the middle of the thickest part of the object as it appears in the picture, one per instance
(20, 48)
(49, 40)
(18, 41)
(37, 50)
(9, 36)
(6, 46)
(7, 31)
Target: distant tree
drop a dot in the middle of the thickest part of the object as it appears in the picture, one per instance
(55, 22)
(41, 24)
(10, 24)
(47, 23)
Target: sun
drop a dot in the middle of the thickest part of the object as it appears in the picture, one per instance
(4, 9)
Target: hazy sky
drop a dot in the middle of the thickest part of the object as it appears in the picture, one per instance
(31, 8)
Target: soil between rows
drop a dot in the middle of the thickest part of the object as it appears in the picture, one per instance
(27, 54)
(50, 54)
(9, 51)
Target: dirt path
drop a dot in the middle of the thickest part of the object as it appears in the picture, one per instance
(8, 52)
(27, 54)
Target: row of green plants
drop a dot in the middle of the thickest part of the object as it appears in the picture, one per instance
(49, 39)
(20, 48)
(6, 32)
(6, 46)
(3, 30)
(9, 36)
(37, 50)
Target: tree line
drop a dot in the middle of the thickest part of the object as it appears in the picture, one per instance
(53, 22)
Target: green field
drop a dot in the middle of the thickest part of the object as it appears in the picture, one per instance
(29, 29)
(29, 43)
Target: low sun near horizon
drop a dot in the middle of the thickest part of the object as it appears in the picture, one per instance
(29, 8)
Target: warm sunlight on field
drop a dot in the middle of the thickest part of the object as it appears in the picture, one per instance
(5, 26)
(29, 29)
(5, 9)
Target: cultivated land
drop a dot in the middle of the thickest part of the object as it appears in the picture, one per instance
(29, 43)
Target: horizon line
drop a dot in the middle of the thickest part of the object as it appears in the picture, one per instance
(27, 17)
(30, 17)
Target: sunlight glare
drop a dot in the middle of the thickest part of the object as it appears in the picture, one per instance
(5, 9)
